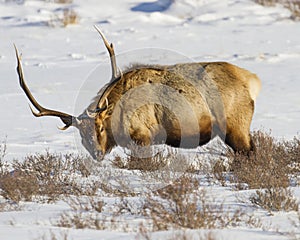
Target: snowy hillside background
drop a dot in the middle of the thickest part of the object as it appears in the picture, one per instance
(58, 61)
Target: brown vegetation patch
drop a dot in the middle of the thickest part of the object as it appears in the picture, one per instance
(292, 5)
(270, 170)
(45, 176)
(185, 204)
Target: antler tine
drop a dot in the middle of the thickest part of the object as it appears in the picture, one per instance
(94, 113)
(101, 109)
(67, 119)
(110, 49)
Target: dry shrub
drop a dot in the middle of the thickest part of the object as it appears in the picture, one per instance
(293, 151)
(143, 233)
(266, 168)
(15, 185)
(47, 177)
(85, 214)
(141, 158)
(85, 204)
(152, 172)
(63, 1)
(89, 213)
(269, 170)
(80, 220)
(271, 165)
(184, 235)
(8, 206)
(146, 160)
(292, 5)
(53, 236)
(19, 186)
(268, 3)
(178, 206)
(275, 199)
(69, 17)
(184, 205)
(296, 224)
(219, 172)
(110, 190)
(138, 163)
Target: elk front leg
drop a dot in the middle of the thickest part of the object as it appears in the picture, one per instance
(240, 141)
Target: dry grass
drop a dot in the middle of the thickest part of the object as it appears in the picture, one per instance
(184, 235)
(296, 223)
(45, 177)
(85, 204)
(67, 17)
(93, 214)
(182, 205)
(146, 160)
(219, 172)
(293, 152)
(185, 205)
(268, 3)
(142, 158)
(292, 5)
(53, 236)
(268, 167)
(84, 214)
(63, 1)
(275, 199)
(8, 206)
(91, 217)
(20, 186)
(144, 234)
(138, 163)
(80, 220)
(269, 170)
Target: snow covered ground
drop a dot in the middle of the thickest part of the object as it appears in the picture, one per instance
(59, 63)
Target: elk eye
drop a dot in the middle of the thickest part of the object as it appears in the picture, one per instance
(101, 129)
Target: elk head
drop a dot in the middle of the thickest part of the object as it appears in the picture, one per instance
(94, 140)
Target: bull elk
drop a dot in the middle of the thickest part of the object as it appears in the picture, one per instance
(182, 105)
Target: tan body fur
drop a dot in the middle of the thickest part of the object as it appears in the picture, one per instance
(200, 85)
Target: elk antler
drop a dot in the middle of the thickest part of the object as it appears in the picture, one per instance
(67, 119)
(94, 113)
(110, 49)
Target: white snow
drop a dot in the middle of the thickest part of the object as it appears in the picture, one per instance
(59, 65)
